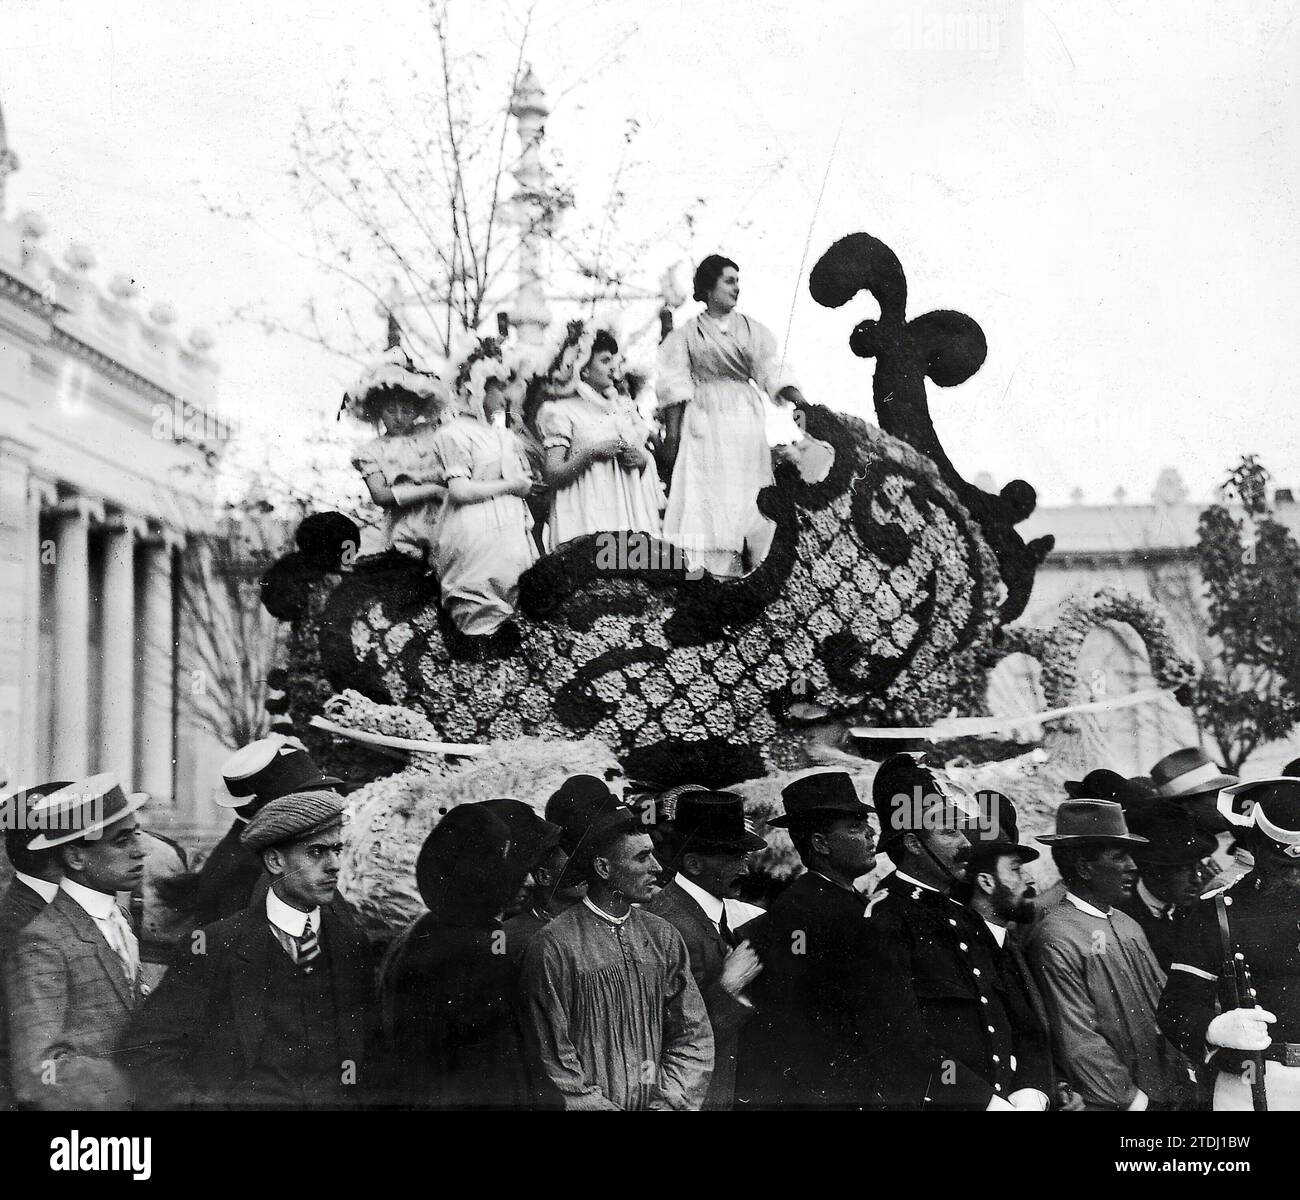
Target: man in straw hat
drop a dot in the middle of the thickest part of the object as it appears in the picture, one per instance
(72, 980)
(272, 1007)
(612, 1016)
(941, 1035)
(1097, 971)
(711, 846)
(804, 1046)
(1232, 1001)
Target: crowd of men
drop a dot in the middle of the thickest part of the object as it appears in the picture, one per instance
(599, 957)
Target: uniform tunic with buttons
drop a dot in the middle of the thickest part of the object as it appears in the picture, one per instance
(943, 1037)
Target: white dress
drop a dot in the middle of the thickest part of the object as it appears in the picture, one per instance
(607, 495)
(405, 458)
(481, 549)
(723, 458)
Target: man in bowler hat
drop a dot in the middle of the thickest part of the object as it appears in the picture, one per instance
(710, 847)
(805, 1045)
(272, 1007)
(941, 1035)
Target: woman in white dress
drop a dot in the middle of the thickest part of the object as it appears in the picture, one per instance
(602, 476)
(713, 375)
(484, 541)
(399, 466)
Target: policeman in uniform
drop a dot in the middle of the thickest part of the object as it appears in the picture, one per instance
(942, 1035)
(1232, 1001)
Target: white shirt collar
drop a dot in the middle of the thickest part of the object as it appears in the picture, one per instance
(42, 887)
(713, 907)
(1157, 906)
(999, 932)
(99, 905)
(901, 875)
(287, 918)
(603, 915)
(1084, 907)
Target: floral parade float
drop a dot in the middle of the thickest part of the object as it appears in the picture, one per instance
(885, 590)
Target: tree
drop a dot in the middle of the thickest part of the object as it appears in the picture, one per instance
(1249, 690)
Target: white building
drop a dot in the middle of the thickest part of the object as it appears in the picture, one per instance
(108, 444)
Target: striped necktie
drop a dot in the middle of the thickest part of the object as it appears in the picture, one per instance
(308, 948)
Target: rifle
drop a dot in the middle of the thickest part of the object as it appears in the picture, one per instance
(1239, 992)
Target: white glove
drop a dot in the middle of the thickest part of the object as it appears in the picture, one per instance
(1241, 1029)
(997, 1104)
(1139, 1102)
(1028, 1100)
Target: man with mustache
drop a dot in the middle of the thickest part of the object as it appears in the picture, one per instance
(1098, 972)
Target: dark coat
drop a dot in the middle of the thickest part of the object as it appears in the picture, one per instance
(18, 908)
(196, 1042)
(940, 1033)
(1027, 1010)
(804, 1046)
(227, 879)
(708, 951)
(1162, 934)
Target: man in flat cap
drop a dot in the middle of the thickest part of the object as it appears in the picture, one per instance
(272, 1007)
(73, 976)
(1097, 971)
(612, 1016)
(711, 845)
(253, 775)
(805, 1046)
(1232, 1002)
(941, 1036)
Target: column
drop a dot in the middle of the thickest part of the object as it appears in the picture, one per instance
(117, 699)
(157, 728)
(71, 634)
(42, 494)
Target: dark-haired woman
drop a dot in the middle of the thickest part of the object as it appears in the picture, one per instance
(713, 375)
(601, 475)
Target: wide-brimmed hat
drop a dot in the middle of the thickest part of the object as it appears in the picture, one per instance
(1079, 822)
(1173, 838)
(996, 831)
(393, 374)
(1103, 784)
(819, 793)
(81, 811)
(712, 823)
(1189, 772)
(268, 768)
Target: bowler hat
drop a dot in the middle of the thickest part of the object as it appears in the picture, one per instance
(712, 823)
(268, 768)
(1173, 840)
(81, 811)
(820, 793)
(1079, 822)
(1102, 784)
(996, 831)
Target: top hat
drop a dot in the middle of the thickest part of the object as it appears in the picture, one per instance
(908, 792)
(267, 769)
(1079, 822)
(81, 811)
(712, 823)
(1110, 785)
(1173, 839)
(821, 792)
(997, 831)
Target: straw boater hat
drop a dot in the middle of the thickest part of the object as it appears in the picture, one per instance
(267, 768)
(81, 811)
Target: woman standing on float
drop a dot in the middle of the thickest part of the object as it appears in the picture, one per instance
(716, 427)
(483, 541)
(596, 459)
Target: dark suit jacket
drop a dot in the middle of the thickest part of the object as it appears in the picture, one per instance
(195, 1041)
(69, 1006)
(1027, 1012)
(727, 1015)
(227, 879)
(1161, 934)
(17, 910)
(804, 1046)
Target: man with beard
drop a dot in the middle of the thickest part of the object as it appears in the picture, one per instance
(711, 845)
(999, 889)
(805, 1045)
(1097, 971)
(941, 1035)
(1236, 951)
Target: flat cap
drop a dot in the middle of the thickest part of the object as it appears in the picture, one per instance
(291, 818)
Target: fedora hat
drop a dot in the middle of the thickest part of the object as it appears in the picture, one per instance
(997, 831)
(267, 769)
(713, 823)
(819, 793)
(1082, 821)
(1173, 838)
(81, 811)
(1189, 772)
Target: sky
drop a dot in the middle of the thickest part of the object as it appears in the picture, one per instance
(1109, 189)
